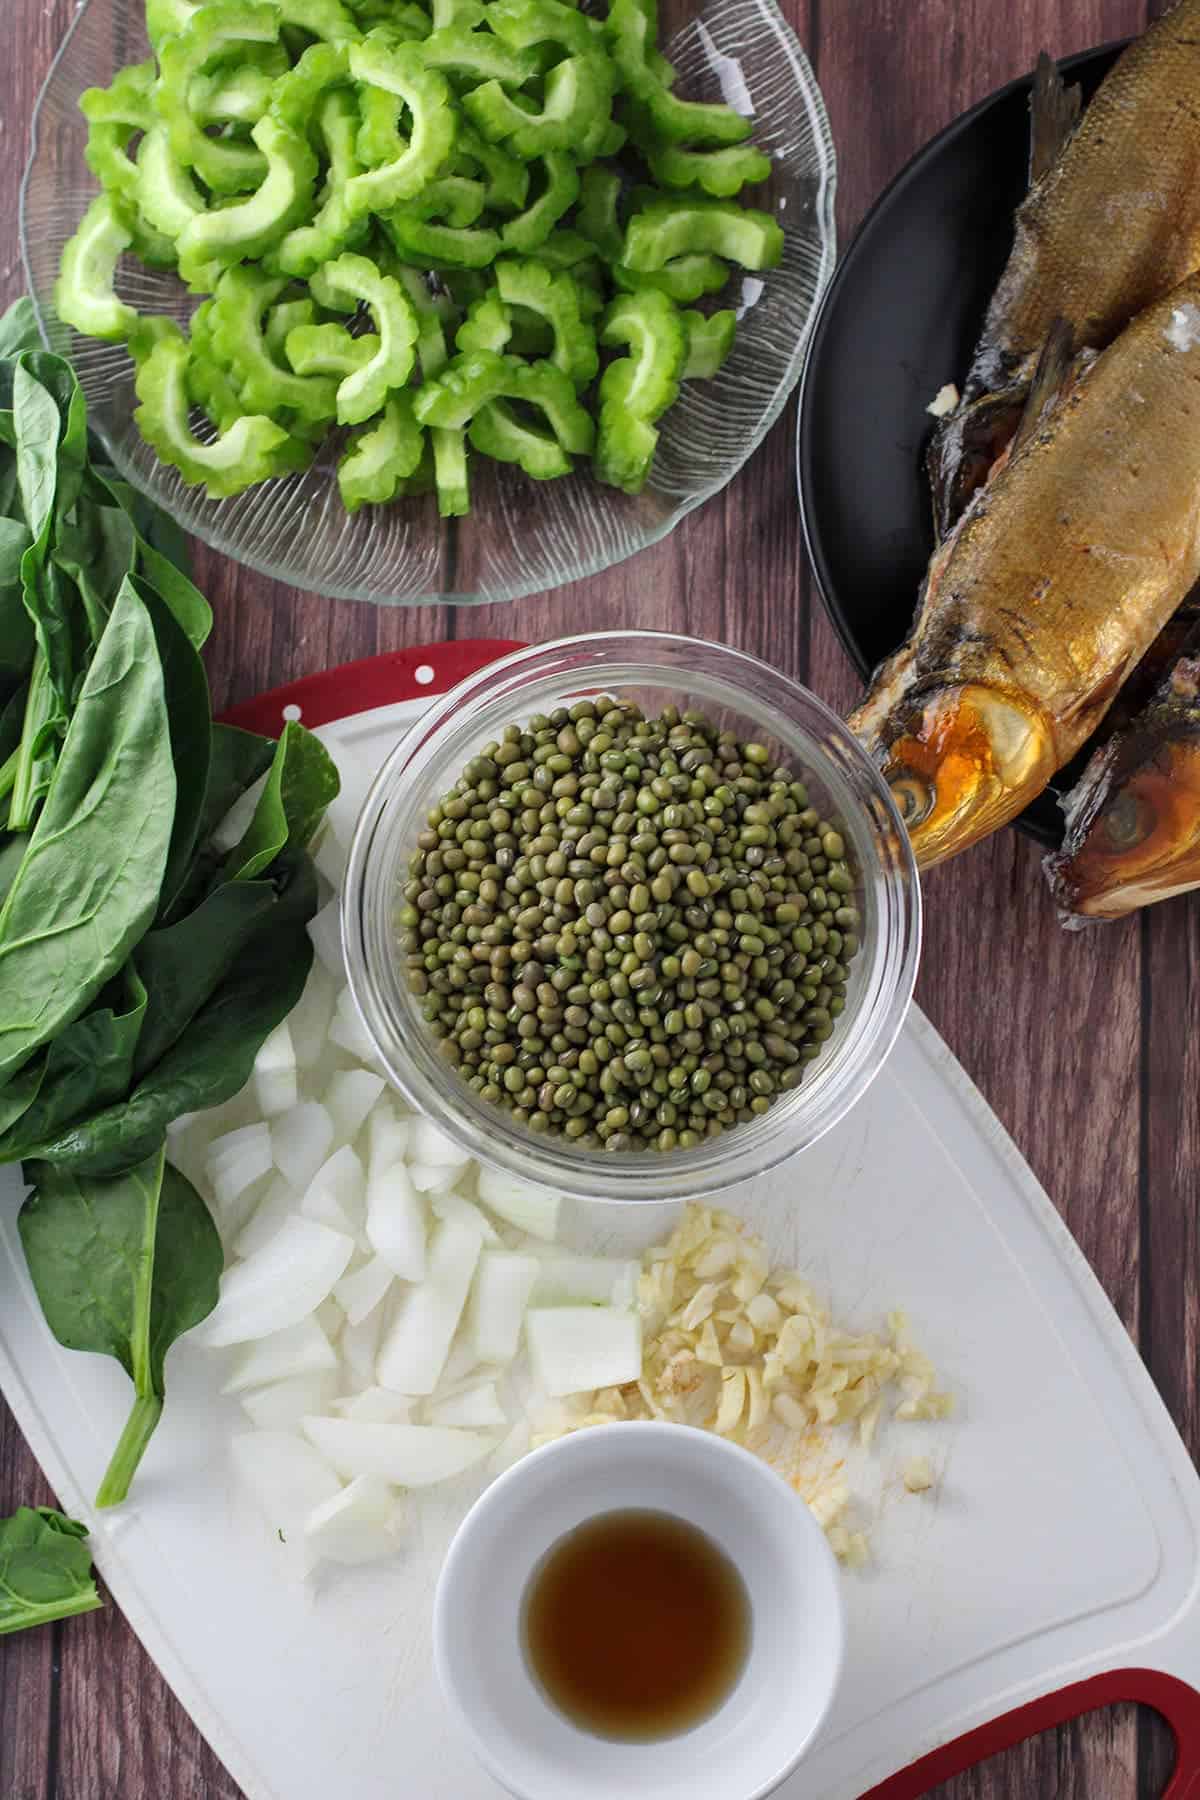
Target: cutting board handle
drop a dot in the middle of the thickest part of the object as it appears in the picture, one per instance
(356, 687)
(1178, 1704)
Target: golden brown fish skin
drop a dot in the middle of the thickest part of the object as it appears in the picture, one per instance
(1115, 222)
(1058, 578)
(1133, 818)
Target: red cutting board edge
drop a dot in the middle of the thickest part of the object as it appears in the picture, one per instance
(430, 669)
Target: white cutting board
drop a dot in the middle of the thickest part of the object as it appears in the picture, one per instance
(1060, 1541)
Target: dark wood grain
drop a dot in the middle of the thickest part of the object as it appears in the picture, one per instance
(1105, 1018)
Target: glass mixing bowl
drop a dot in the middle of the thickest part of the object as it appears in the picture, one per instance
(654, 669)
(521, 536)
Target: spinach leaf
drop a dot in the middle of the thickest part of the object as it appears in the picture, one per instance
(302, 782)
(89, 880)
(122, 1268)
(187, 603)
(16, 626)
(19, 328)
(50, 422)
(12, 717)
(214, 1056)
(189, 711)
(86, 1067)
(238, 759)
(95, 548)
(183, 964)
(12, 849)
(21, 1092)
(160, 553)
(45, 1565)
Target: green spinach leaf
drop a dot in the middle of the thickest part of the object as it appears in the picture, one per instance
(16, 626)
(88, 883)
(302, 782)
(189, 711)
(238, 759)
(19, 328)
(122, 1268)
(88, 1066)
(213, 1058)
(183, 964)
(45, 1566)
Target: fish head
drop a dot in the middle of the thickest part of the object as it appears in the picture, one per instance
(1142, 842)
(966, 761)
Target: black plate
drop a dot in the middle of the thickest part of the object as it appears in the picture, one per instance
(901, 317)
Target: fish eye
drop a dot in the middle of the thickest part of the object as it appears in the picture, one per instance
(1128, 822)
(914, 798)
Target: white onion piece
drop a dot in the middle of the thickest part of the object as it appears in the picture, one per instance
(269, 1216)
(379, 1405)
(360, 1292)
(409, 1455)
(430, 1144)
(355, 777)
(361, 1524)
(475, 1408)
(417, 1342)
(521, 1203)
(233, 827)
(236, 1161)
(461, 1368)
(330, 1317)
(348, 1031)
(275, 1084)
(325, 930)
(453, 1206)
(577, 1348)
(359, 1346)
(600, 1280)
(301, 1349)
(511, 1448)
(499, 1296)
(301, 1139)
(396, 1222)
(279, 1285)
(309, 1018)
(321, 1205)
(432, 1178)
(349, 1098)
(339, 1183)
(388, 1135)
(281, 1405)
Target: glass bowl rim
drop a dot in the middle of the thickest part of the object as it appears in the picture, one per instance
(809, 91)
(739, 1154)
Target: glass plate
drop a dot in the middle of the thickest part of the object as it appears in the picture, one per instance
(522, 536)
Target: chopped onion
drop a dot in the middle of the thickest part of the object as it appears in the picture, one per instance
(362, 1523)
(301, 1139)
(475, 1407)
(376, 1404)
(286, 1477)
(275, 1072)
(432, 1178)
(236, 1161)
(337, 1191)
(418, 1340)
(330, 1317)
(499, 1295)
(396, 1222)
(281, 1405)
(431, 1144)
(279, 1285)
(524, 1204)
(349, 1098)
(575, 1349)
(359, 1293)
(453, 1206)
(233, 827)
(359, 1346)
(301, 1349)
(388, 1135)
(602, 1280)
(309, 1018)
(461, 1368)
(270, 1215)
(325, 930)
(409, 1455)
(348, 1031)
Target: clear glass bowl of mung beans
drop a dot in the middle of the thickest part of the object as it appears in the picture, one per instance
(631, 915)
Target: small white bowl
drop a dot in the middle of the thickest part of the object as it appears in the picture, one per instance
(758, 1735)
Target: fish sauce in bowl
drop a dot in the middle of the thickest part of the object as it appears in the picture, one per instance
(636, 1625)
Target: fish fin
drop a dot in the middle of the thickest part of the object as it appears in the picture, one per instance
(1054, 372)
(965, 450)
(1054, 112)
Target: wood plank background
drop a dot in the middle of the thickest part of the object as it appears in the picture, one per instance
(1082, 1045)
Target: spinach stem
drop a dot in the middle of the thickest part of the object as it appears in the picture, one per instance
(8, 774)
(131, 1447)
(30, 778)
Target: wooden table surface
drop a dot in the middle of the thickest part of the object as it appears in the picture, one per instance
(1080, 1043)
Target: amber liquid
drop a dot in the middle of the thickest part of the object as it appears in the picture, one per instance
(636, 1625)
